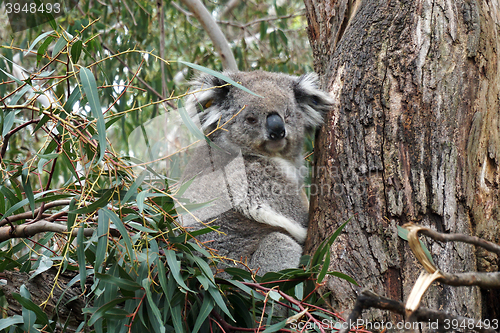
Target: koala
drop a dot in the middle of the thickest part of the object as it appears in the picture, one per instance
(253, 169)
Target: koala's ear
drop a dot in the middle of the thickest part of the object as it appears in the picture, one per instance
(314, 102)
(208, 98)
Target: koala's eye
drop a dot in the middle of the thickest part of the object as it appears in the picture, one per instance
(251, 120)
(208, 104)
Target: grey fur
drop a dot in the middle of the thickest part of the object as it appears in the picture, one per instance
(255, 180)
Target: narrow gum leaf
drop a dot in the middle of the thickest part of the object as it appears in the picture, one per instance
(90, 88)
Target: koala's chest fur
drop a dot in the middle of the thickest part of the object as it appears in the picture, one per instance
(269, 202)
(277, 184)
(258, 188)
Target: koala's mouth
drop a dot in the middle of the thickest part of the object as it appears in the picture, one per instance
(274, 146)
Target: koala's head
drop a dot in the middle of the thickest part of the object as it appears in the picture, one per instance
(272, 125)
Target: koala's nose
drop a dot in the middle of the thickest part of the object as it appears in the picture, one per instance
(275, 127)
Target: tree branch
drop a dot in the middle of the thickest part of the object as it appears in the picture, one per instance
(480, 279)
(218, 39)
(264, 19)
(12, 132)
(169, 103)
(28, 215)
(492, 247)
(28, 230)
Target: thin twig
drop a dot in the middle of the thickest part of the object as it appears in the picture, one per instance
(27, 215)
(7, 136)
(492, 247)
(264, 19)
(159, 95)
(28, 230)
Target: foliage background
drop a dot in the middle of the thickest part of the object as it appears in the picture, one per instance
(93, 242)
(258, 38)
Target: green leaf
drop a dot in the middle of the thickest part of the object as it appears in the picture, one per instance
(343, 276)
(189, 122)
(42, 49)
(141, 197)
(103, 201)
(272, 40)
(162, 275)
(60, 44)
(29, 305)
(113, 119)
(27, 187)
(10, 321)
(101, 311)
(276, 327)
(43, 75)
(324, 269)
(75, 96)
(176, 318)
(42, 122)
(175, 269)
(90, 88)
(8, 121)
(102, 239)
(24, 292)
(403, 233)
(146, 283)
(120, 282)
(238, 272)
(52, 23)
(283, 36)
(206, 308)
(39, 38)
(121, 228)
(218, 75)
(29, 318)
(68, 165)
(140, 227)
(17, 96)
(205, 283)
(24, 202)
(45, 263)
(326, 244)
(204, 268)
(263, 30)
(80, 254)
(133, 189)
(12, 77)
(9, 195)
(189, 208)
(76, 51)
(216, 295)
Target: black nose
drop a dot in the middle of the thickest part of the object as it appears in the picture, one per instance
(275, 127)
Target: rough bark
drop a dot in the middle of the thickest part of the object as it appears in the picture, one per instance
(61, 303)
(413, 137)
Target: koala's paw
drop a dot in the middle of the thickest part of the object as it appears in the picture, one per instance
(267, 215)
(276, 252)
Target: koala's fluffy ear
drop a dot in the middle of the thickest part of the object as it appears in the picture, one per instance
(206, 102)
(314, 102)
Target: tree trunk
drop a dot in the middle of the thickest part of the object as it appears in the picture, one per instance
(413, 137)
